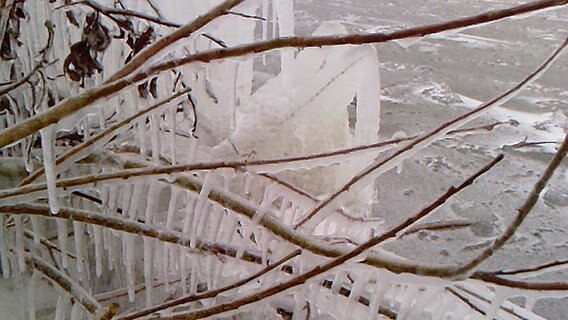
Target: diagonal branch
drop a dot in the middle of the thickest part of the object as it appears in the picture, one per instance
(98, 137)
(522, 212)
(65, 283)
(357, 39)
(178, 34)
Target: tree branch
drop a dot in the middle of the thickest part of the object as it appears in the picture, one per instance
(522, 212)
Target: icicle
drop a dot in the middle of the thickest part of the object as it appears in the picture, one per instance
(227, 229)
(171, 121)
(47, 145)
(137, 200)
(202, 205)
(284, 16)
(381, 287)
(194, 275)
(35, 229)
(76, 311)
(4, 252)
(155, 139)
(172, 208)
(190, 216)
(98, 240)
(199, 226)
(265, 5)
(215, 221)
(232, 78)
(20, 252)
(148, 278)
(500, 296)
(408, 299)
(209, 271)
(31, 298)
(152, 203)
(300, 310)
(129, 265)
(78, 236)
(62, 240)
(62, 307)
(183, 270)
(217, 275)
(265, 241)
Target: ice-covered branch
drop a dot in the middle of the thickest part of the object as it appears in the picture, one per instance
(320, 269)
(182, 32)
(124, 225)
(66, 283)
(356, 39)
(106, 133)
(211, 293)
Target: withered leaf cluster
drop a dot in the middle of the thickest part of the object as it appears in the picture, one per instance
(12, 34)
(82, 60)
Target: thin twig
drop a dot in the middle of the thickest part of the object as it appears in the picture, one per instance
(526, 285)
(109, 11)
(522, 212)
(25, 188)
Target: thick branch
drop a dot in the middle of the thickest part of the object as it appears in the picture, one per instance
(178, 34)
(65, 283)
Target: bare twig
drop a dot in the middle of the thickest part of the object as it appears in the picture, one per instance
(521, 214)
(109, 11)
(113, 85)
(528, 272)
(527, 285)
(244, 15)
